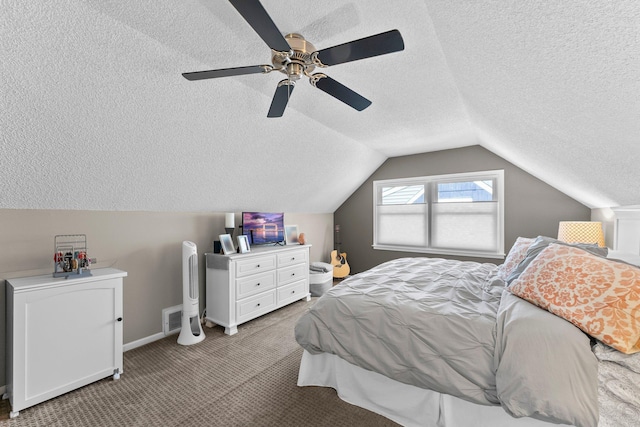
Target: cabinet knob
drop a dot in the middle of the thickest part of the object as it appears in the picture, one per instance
(257, 284)
(293, 258)
(258, 305)
(258, 266)
(119, 319)
(293, 292)
(293, 274)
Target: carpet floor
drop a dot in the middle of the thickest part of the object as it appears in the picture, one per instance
(248, 379)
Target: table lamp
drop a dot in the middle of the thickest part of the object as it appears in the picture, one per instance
(229, 223)
(581, 232)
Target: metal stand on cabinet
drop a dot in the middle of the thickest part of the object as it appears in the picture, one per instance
(70, 255)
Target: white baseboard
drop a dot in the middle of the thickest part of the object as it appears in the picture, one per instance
(142, 341)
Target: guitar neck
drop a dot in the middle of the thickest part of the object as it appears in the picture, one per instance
(337, 239)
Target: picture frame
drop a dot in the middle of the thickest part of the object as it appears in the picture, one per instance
(291, 234)
(243, 244)
(227, 244)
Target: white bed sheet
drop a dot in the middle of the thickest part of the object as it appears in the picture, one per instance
(405, 404)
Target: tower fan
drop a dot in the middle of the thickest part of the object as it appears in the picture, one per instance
(191, 332)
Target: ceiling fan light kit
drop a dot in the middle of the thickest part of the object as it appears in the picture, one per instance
(295, 57)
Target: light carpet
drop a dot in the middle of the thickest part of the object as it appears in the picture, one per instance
(248, 379)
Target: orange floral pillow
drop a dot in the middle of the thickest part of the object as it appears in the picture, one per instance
(517, 253)
(599, 296)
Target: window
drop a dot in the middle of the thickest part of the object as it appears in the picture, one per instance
(458, 214)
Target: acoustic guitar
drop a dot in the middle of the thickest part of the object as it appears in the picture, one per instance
(339, 259)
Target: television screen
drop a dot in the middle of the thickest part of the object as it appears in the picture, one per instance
(263, 227)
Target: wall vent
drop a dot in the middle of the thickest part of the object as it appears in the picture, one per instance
(172, 319)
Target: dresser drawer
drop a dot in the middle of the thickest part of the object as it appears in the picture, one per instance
(255, 265)
(293, 273)
(292, 292)
(255, 306)
(255, 284)
(292, 257)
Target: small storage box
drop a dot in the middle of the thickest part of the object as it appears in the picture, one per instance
(319, 281)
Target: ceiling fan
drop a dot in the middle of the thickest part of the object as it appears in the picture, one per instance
(294, 56)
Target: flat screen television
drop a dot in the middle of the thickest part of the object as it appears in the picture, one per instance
(263, 228)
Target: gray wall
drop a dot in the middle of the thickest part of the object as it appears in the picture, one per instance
(532, 207)
(148, 245)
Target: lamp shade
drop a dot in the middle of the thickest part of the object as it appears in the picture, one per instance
(229, 220)
(581, 232)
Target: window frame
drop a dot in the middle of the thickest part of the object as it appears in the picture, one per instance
(430, 189)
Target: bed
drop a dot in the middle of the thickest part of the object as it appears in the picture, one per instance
(444, 343)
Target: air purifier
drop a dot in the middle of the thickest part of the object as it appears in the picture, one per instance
(191, 332)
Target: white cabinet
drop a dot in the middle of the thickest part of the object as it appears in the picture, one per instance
(627, 229)
(241, 287)
(62, 334)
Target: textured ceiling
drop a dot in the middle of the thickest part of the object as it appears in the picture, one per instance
(553, 86)
(96, 114)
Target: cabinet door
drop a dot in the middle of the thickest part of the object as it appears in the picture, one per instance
(71, 336)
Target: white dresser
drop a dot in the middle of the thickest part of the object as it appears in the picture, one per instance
(241, 287)
(62, 334)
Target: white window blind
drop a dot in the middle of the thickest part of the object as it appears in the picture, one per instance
(402, 225)
(458, 214)
(465, 226)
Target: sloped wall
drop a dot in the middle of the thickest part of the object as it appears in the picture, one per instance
(532, 207)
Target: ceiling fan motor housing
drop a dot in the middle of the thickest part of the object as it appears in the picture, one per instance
(296, 62)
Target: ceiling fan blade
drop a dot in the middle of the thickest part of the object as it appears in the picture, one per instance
(224, 72)
(379, 44)
(340, 91)
(255, 15)
(281, 98)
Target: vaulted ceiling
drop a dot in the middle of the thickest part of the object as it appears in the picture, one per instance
(96, 114)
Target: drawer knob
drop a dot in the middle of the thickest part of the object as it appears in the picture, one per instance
(257, 284)
(293, 274)
(258, 305)
(258, 266)
(119, 319)
(293, 258)
(293, 292)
